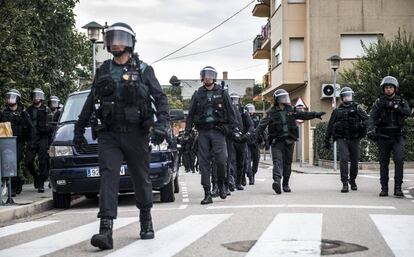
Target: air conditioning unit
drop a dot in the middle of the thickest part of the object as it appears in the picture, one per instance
(328, 90)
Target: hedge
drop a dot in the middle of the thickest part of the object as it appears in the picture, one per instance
(368, 149)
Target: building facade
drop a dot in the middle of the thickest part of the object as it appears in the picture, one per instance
(299, 36)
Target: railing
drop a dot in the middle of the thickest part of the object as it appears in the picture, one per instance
(257, 43)
(266, 31)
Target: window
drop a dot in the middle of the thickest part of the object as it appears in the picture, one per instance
(278, 54)
(296, 50)
(351, 47)
(295, 1)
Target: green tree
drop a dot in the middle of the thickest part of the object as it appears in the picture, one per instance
(41, 47)
(393, 57)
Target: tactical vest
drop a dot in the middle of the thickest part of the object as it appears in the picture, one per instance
(276, 123)
(348, 123)
(127, 103)
(216, 102)
(391, 121)
(18, 123)
(41, 117)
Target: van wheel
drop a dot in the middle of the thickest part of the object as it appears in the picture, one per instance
(167, 192)
(91, 196)
(176, 185)
(61, 201)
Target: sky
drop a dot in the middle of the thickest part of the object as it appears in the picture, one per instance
(162, 26)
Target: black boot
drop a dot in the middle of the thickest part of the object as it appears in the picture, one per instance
(41, 187)
(345, 188)
(239, 187)
(251, 180)
(215, 191)
(222, 190)
(147, 232)
(227, 190)
(231, 187)
(207, 196)
(104, 240)
(384, 190)
(243, 180)
(353, 185)
(397, 190)
(276, 186)
(285, 185)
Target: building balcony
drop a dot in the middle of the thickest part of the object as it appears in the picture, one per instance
(261, 44)
(267, 80)
(262, 8)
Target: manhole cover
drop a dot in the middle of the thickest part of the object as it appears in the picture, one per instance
(240, 246)
(328, 247)
(331, 247)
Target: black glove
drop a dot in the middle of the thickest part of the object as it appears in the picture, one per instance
(371, 135)
(79, 140)
(259, 139)
(319, 115)
(159, 133)
(237, 137)
(327, 144)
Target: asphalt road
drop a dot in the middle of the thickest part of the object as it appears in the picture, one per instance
(314, 220)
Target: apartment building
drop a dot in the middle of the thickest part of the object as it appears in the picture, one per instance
(299, 35)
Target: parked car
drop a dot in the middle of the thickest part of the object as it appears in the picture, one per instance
(75, 170)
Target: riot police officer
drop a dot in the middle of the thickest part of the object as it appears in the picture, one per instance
(41, 118)
(54, 106)
(22, 128)
(385, 127)
(253, 148)
(211, 112)
(124, 91)
(283, 132)
(347, 126)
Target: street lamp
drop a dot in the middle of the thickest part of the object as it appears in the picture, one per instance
(335, 62)
(94, 29)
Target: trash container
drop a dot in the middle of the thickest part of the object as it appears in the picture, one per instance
(8, 159)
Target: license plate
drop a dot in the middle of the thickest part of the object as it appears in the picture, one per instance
(94, 172)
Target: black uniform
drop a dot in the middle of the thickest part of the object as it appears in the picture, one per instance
(41, 118)
(247, 129)
(254, 149)
(347, 126)
(22, 129)
(211, 112)
(123, 94)
(387, 120)
(283, 132)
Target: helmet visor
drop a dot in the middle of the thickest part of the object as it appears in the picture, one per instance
(38, 96)
(208, 74)
(235, 99)
(251, 109)
(347, 97)
(11, 98)
(54, 104)
(283, 99)
(119, 38)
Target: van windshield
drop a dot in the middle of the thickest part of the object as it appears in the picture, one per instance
(73, 107)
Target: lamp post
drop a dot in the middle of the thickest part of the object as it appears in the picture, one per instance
(94, 29)
(335, 62)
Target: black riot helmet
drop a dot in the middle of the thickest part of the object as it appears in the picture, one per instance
(38, 94)
(235, 98)
(250, 108)
(347, 95)
(208, 72)
(119, 34)
(13, 97)
(281, 96)
(389, 80)
(54, 102)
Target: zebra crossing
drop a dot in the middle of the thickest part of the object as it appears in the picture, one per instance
(288, 234)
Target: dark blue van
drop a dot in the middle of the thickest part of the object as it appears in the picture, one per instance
(75, 170)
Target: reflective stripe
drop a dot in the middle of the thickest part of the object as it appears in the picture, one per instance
(121, 28)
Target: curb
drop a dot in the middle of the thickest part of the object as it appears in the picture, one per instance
(24, 211)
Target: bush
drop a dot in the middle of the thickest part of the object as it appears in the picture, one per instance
(368, 149)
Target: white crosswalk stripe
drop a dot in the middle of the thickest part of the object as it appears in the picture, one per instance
(22, 227)
(60, 241)
(398, 232)
(291, 234)
(288, 234)
(174, 238)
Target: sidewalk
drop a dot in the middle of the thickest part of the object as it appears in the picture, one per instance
(28, 203)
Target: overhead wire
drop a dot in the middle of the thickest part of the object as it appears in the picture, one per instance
(203, 35)
(210, 50)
